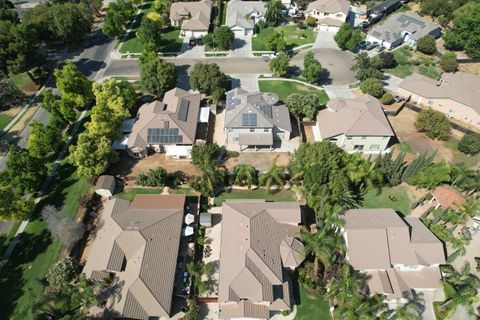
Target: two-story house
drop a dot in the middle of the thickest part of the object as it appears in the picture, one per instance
(330, 14)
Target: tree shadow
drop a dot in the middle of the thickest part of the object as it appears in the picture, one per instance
(88, 67)
(182, 76)
(325, 78)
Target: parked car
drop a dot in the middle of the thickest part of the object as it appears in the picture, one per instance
(192, 42)
(362, 45)
(380, 48)
(200, 42)
(364, 24)
(398, 99)
(371, 45)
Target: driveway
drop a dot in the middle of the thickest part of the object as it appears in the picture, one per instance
(339, 92)
(191, 52)
(392, 82)
(325, 40)
(242, 47)
(246, 81)
(337, 65)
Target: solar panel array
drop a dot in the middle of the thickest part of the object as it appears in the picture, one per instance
(163, 136)
(183, 112)
(249, 120)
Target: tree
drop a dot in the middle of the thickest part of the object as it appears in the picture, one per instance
(387, 98)
(448, 62)
(365, 68)
(153, 178)
(92, 154)
(273, 13)
(161, 6)
(303, 105)
(470, 144)
(150, 31)
(118, 14)
(312, 68)
(24, 173)
(208, 79)
(245, 174)
(385, 60)
(426, 44)
(13, 207)
(434, 123)
(43, 139)
(311, 21)
(465, 32)
(9, 94)
(74, 85)
(158, 76)
(61, 275)
(70, 22)
(347, 37)
(205, 155)
(279, 65)
(276, 41)
(223, 37)
(372, 86)
(193, 312)
(432, 176)
(62, 226)
(274, 177)
(7, 11)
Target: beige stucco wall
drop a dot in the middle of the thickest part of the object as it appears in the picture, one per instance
(320, 15)
(450, 108)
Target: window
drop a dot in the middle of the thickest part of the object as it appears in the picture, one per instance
(349, 138)
(374, 147)
(252, 130)
(358, 147)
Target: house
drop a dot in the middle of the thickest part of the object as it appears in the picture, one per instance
(193, 18)
(257, 253)
(138, 243)
(243, 15)
(255, 119)
(383, 8)
(355, 125)
(330, 14)
(457, 95)
(166, 126)
(398, 255)
(400, 28)
(105, 186)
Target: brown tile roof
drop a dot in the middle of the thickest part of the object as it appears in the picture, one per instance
(196, 14)
(459, 86)
(160, 114)
(139, 242)
(251, 264)
(380, 239)
(329, 6)
(361, 116)
(448, 197)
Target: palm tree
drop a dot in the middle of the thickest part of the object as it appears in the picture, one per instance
(362, 173)
(275, 176)
(245, 174)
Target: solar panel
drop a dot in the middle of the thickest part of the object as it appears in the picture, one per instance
(163, 136)
(183, 112)
(249, 120)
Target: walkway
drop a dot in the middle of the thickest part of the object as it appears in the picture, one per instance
(242, 47)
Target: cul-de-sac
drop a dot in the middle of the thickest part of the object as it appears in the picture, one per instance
(240, 160)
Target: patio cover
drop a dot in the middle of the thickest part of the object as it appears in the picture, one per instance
(256, 139)
(121, 143)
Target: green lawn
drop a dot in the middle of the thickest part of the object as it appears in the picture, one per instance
(129, 194)
(294, 37)
(255, 194)
(6, 238)
(284, 88)
(430, 71)
(170, 42)
(4, 120)
(409, 61)
(401, 71)
(403, 55)
(312, 306)
(459, 157)
(21, 283)
(404, 147)
(397, 198)
(23, 82)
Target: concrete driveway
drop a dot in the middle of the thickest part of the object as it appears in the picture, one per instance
(242, 47)
(325, 40)
(392, 82)
(246, 81)
(339, 92)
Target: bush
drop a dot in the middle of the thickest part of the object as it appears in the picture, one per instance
(153, 178)
(310, 21)
(347, 37)
(387, 98)
(372, 86)
(232, 154)
(434, 123)
(427, 45)
(386, 60)
(470, 144)
(448, 62)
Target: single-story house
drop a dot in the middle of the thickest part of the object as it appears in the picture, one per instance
(105, 186)
(138, 243)
(258, 251)
(398, 255)
(243, 15)
(355, 125)
(193, 18)
(255, 119)
(402, 27)
(457, 95)
(168, 126)
(330, 14)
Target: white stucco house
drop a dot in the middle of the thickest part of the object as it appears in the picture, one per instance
(193, 18)
(330, 14)
(355, 125)
(243, 15)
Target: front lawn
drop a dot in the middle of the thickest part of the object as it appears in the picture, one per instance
(294, 37)
(285, 88)
(397, 198)
(129, 194)
(409, 61)
(21, 280)
(312, 305)
(170, 42)
(283, 195)
(430, 71)
(401, 71)
(4, 120)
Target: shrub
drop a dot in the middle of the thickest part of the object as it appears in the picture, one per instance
(386, 60)
(387, 98)
(153, 178)
(310, 21)
(470, 144)
(427, 45)
(434, 123)
(448, 62)
(372, 86)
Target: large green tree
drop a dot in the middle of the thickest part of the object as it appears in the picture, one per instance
(470, 144)
(60, 108)
(427, 44)
(279, 65)
(434, 123)
(245, 174)
(276, 41)
(150, 31)
(303, 105)
(347, 37)
(43, 139)
(118, 14)
(465, 34)
(158, 76)
(273, 13)
(372, 86)
(208, 79)
(70, 22)
(222, 38)
(366, 68)
(13, 207)
(312, 68)
(74, 85)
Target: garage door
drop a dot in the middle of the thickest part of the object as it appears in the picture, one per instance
(239, 33)
(323, 27)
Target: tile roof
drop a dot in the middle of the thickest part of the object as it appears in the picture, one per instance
(361, 116)
(461, 87)
(329, 6)
(238, 11)
(139, 242)
(251, 264)
(196, 14)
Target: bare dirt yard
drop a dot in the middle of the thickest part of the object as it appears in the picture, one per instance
(473, 67)
(261, 160)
